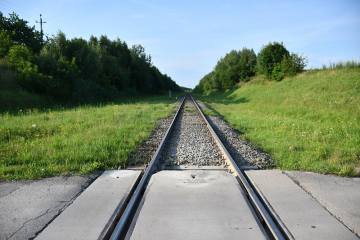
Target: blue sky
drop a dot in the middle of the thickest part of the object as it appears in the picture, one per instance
(186, 38)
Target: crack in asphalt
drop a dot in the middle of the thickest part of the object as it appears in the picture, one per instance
(27, 222)
(48, 211)
(31, 227)
(65, 206)
(1, 196)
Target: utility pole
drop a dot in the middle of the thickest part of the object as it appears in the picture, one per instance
(41, 22)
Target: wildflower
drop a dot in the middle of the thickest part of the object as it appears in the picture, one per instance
(34, 125)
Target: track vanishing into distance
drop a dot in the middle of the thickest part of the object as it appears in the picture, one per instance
(190, 144)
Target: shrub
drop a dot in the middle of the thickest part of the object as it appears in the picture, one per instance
(88, 91)
(19, 57)
(277, 73)
(270, 56)
(289, 66)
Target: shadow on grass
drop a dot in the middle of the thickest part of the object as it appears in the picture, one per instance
(223, 97)
(43, 104)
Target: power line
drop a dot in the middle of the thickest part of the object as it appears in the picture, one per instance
(12, 9)
(19, 6)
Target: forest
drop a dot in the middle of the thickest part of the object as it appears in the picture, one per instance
(77, 70)
(274, 61)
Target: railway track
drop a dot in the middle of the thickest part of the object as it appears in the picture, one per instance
(192, 189)
(190, 143)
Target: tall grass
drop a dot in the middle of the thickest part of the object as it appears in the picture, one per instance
(309, 122)
(348, 64)
(36, 144)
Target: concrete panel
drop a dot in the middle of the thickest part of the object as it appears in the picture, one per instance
(301, 215)
(195, 204)
(339, 195)
(89, 215)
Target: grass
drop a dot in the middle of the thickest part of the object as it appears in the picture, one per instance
(310, 122)
(209, 112)
(36, 144)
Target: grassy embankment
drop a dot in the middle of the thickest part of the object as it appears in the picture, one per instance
(36, 144)
(309, 122)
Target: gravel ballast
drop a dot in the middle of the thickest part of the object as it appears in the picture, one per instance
(240, 150)
(190, 142)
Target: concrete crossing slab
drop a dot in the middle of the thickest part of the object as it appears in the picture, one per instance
(90, 215)
(300, 215)
(339, 195)
(195, 204)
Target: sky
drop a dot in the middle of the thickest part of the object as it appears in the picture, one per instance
(186, 38)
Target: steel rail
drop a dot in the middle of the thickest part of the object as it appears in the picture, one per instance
(119, 229)
(236, 171)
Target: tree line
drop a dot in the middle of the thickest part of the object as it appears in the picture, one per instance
(273, 60)
(77, 69)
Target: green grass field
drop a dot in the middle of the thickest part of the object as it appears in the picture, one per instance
(309, 122)
(36, 144)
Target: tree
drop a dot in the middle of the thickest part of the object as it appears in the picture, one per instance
(88, 59)
(247, 64)
(227, 69)
(5, 43)
(59, 45)
(98, 69)
(270, 56)
(20, 33)
(19, 57)
(299, 62)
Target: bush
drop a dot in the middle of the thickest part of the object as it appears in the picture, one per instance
(19, 57)
(289, 66)
(277, 73)
(88, 91)
(270, 56)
